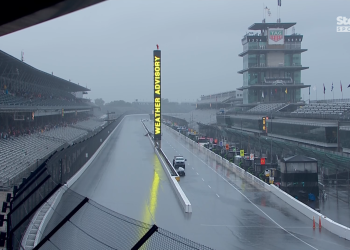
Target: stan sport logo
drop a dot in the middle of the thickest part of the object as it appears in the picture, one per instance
(343, 24)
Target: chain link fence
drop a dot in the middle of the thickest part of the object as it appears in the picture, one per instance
(94, 226)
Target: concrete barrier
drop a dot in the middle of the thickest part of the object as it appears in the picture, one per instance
(55, 199)
(181, 196)
(326, 223)
(332, 226)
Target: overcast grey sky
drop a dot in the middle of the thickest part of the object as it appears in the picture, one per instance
(108, 47)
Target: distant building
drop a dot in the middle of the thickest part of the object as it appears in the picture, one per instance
(272, 64)
(220, 100)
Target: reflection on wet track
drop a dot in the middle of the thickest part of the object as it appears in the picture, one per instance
(228, 213)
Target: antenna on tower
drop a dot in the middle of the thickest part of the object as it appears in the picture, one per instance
(279, 4)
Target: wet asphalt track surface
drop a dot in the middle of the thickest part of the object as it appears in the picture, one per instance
(228, 212)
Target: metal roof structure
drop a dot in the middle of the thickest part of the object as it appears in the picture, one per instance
(262, 50)
(286, 68)
(14, 70)
(264, 26)
(290, 86)
(21, 14)
(298, 158)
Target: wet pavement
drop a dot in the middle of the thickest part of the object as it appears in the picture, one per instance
(336, 206)
(228, 213)
(238, 213)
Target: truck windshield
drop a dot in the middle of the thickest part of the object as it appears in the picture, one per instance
(203, 140)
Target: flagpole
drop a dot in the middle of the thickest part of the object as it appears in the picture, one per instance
(341, 89)
(263, 11)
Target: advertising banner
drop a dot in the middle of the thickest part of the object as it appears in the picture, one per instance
(275, 36)
(157, 95)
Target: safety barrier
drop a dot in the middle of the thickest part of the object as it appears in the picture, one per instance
(326, 223)
(181, 196)
(330, 225)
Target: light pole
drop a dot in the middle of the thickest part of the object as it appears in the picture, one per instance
(241, 133)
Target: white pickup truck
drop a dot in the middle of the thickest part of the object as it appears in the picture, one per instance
(179, 161)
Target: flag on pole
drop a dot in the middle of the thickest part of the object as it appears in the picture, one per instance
(341, 87)
(349, 86)
(262, 94)
(286, 91)
(279, 2)
(309, 90)
(324, 89)
(332, 87)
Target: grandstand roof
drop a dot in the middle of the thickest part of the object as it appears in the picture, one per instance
(306, 122)
(298, 158)
(22, 14)
(263, 26)
(289, 86)
(214, 100)
(286, 51)
(11, 67)
(298, 67)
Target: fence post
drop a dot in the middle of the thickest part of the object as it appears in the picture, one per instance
(144, 238)
(65, 219)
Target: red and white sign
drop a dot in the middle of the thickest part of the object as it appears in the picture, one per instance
(275, 36)
(262, 161)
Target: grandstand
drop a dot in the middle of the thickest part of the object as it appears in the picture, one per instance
(89, 125)
(220, 100)
(39, 113)
(266, 107)
(324, 108)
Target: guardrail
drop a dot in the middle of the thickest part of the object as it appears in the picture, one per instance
(167, 166)
(332, 226)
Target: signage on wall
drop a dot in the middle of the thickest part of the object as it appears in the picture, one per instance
(275, 36)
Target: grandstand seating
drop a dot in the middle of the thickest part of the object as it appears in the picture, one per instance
(263, 108)
(89, 125)
(10, 100)
(324, 108)
(19, 153)
(66, 134)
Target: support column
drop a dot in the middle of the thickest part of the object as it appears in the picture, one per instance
(157, 135)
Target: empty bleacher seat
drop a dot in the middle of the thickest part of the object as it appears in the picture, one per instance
(324, 108)
(264, 108)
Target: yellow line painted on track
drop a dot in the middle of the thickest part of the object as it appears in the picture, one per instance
(151, 205)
